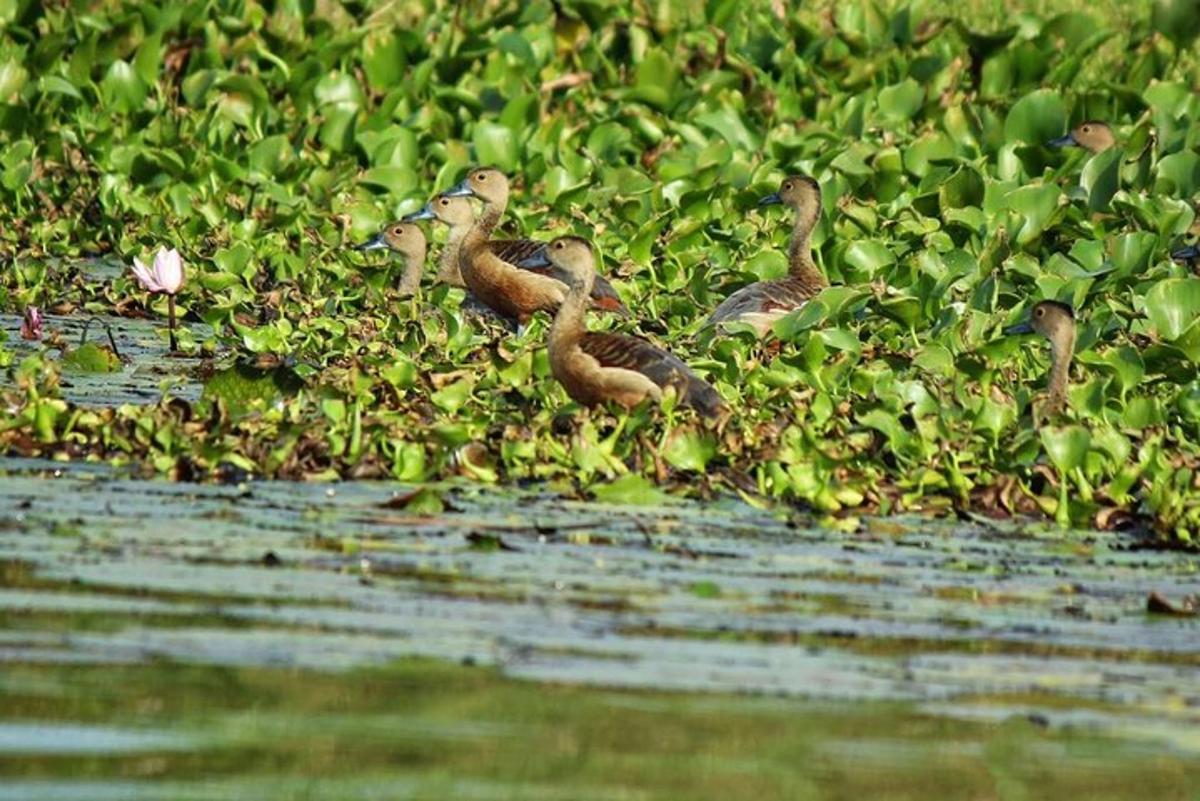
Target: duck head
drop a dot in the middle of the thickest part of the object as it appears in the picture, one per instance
(486, 183)
(450, 209)
(1093, 136)
(573, 255)
(1053, 320)
(798, 192)
(400, 237)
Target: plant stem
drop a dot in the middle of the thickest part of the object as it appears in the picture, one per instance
(171, 323)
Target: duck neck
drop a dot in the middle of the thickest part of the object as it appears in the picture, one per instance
(1062, 348)
(800, 263)
(448, 270)
(410, 280)
(570, 321)
(485, 224)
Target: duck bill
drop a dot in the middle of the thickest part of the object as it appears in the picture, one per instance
(1019, 328)
(423, 214)
(771, 200)
(1190, 253)
(462, 190)
(1064, 141)
(376, 242)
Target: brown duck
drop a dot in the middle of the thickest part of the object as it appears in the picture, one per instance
(527, 254)
(762, 303)
(595, 367)
(1056, 322)
(509, 290)
(407, 240)
(1093, 136)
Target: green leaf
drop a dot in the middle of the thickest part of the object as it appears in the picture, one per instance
(396, 181)
(1178, 20)
(1067, 446)
(1036, 118)
(122, 89)
(384, 60)
(54, 85)
(1173, 306)
(453, 397)
(1036, 206)
(632, 489)
(91, 358)
(655, 79)
(269, 156)
(1178, 174)
(495, 145)
(868, 256)
(1101, 178)
(689, 450)
(900, 102)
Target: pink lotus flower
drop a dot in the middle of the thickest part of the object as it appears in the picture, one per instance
(165, 276)
(31, 326)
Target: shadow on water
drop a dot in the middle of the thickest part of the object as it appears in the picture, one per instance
(284, 640)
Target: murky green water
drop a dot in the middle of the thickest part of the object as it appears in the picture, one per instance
(312, 641)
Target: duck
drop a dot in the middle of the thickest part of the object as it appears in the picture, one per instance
(1056, 322)
(595, 367)
(762, 303)
(456, 212)
(526, 254)
(1093, 136)
(409, 241)
(512, 292)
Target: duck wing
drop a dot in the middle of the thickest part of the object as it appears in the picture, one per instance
(760, 301)
(634, 353)
(604, 296)
(520, 252)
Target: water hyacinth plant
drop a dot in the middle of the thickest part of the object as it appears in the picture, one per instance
(164, 277)
(268, 145)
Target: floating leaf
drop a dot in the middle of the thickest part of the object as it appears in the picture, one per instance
(1067, 447)
(631, 489)
(1173, 306)
(1036, 118)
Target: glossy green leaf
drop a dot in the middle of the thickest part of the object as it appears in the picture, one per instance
(1066, 446)
(1173, 306)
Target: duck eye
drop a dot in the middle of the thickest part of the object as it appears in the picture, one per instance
(787, 186)
(1087, 129)
(480, 177)
(1039, 312)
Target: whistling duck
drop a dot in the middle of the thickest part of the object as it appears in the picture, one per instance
(596, 367)
(456, 213)
(1056, 322)
(527, 254)
(762, 303)
(1187, 254)
(513, 292)
(407, 240)
(1093, 136)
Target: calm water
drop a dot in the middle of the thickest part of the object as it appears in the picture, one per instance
(312, 641)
